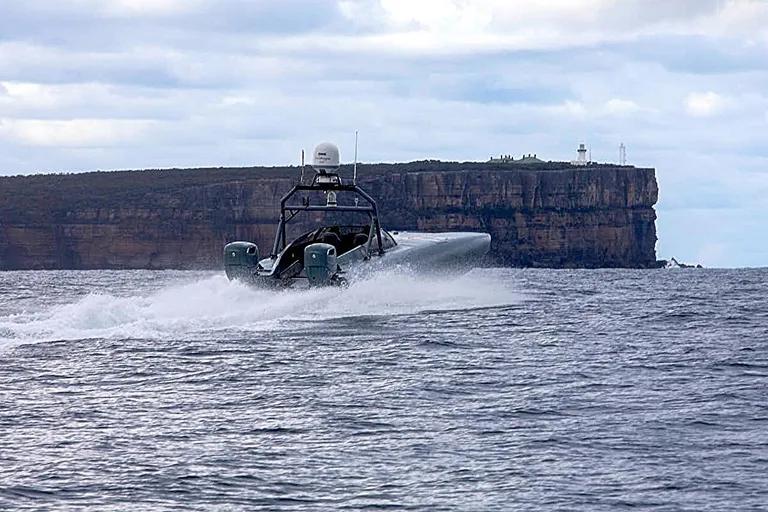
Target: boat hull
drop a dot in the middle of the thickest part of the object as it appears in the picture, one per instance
(422, 252)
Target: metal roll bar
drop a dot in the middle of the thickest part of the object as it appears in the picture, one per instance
(330, 183)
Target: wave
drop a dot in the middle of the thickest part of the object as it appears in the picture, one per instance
(215, 304)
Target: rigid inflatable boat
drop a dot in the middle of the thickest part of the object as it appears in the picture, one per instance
(333, 253)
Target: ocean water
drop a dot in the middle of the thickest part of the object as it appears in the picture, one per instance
(497, 390)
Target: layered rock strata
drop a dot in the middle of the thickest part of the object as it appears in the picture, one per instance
(550, 215)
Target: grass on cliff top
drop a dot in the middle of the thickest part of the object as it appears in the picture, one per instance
(43, 196)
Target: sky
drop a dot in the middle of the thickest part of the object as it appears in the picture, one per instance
(128, 84)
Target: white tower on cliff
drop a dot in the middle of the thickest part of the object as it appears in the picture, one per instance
(622, 154)
(581, 159)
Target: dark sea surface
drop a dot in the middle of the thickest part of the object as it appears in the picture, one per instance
(498, 390)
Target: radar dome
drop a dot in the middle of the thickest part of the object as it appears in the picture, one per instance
(326, 157)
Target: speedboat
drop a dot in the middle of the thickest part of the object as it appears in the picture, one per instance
(332, 253)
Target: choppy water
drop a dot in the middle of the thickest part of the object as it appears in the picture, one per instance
(499, 390)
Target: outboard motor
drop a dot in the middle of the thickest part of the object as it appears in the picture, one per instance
(320, 264)
(241, 259)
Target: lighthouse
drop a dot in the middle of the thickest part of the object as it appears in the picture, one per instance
(581, 159)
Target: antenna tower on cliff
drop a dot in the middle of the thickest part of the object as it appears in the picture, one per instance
(301, 178)
(354, 169)
(622, 154)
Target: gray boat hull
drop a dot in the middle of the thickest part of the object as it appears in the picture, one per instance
(437, 250)
(423, 252)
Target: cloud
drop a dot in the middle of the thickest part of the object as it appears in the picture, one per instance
(130, 84)
(619, 106)
(492, 25)
(73, 133)
(145, 7)
(705, 104)
(439, 15)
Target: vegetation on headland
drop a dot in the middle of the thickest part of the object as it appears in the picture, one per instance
(40, 197)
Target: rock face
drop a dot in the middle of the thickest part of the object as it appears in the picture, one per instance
(549, 215)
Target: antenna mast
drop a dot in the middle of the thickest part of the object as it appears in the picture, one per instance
(354, 170)
(301, 179)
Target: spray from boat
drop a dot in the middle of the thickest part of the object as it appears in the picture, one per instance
(194, 309)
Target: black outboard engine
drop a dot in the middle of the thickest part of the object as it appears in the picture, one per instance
(241, 259)
(320, 265)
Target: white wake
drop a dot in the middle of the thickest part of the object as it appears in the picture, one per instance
(214, 304)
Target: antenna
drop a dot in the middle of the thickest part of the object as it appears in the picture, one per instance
(301, 179)
(354, 175)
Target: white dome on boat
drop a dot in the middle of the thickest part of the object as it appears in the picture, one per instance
(326, 157)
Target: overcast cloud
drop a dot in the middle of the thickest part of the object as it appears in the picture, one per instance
(109, 84)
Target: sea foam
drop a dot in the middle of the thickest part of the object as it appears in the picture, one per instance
(214, 304)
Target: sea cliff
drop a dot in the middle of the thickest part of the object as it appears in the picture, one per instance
(546, 215)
